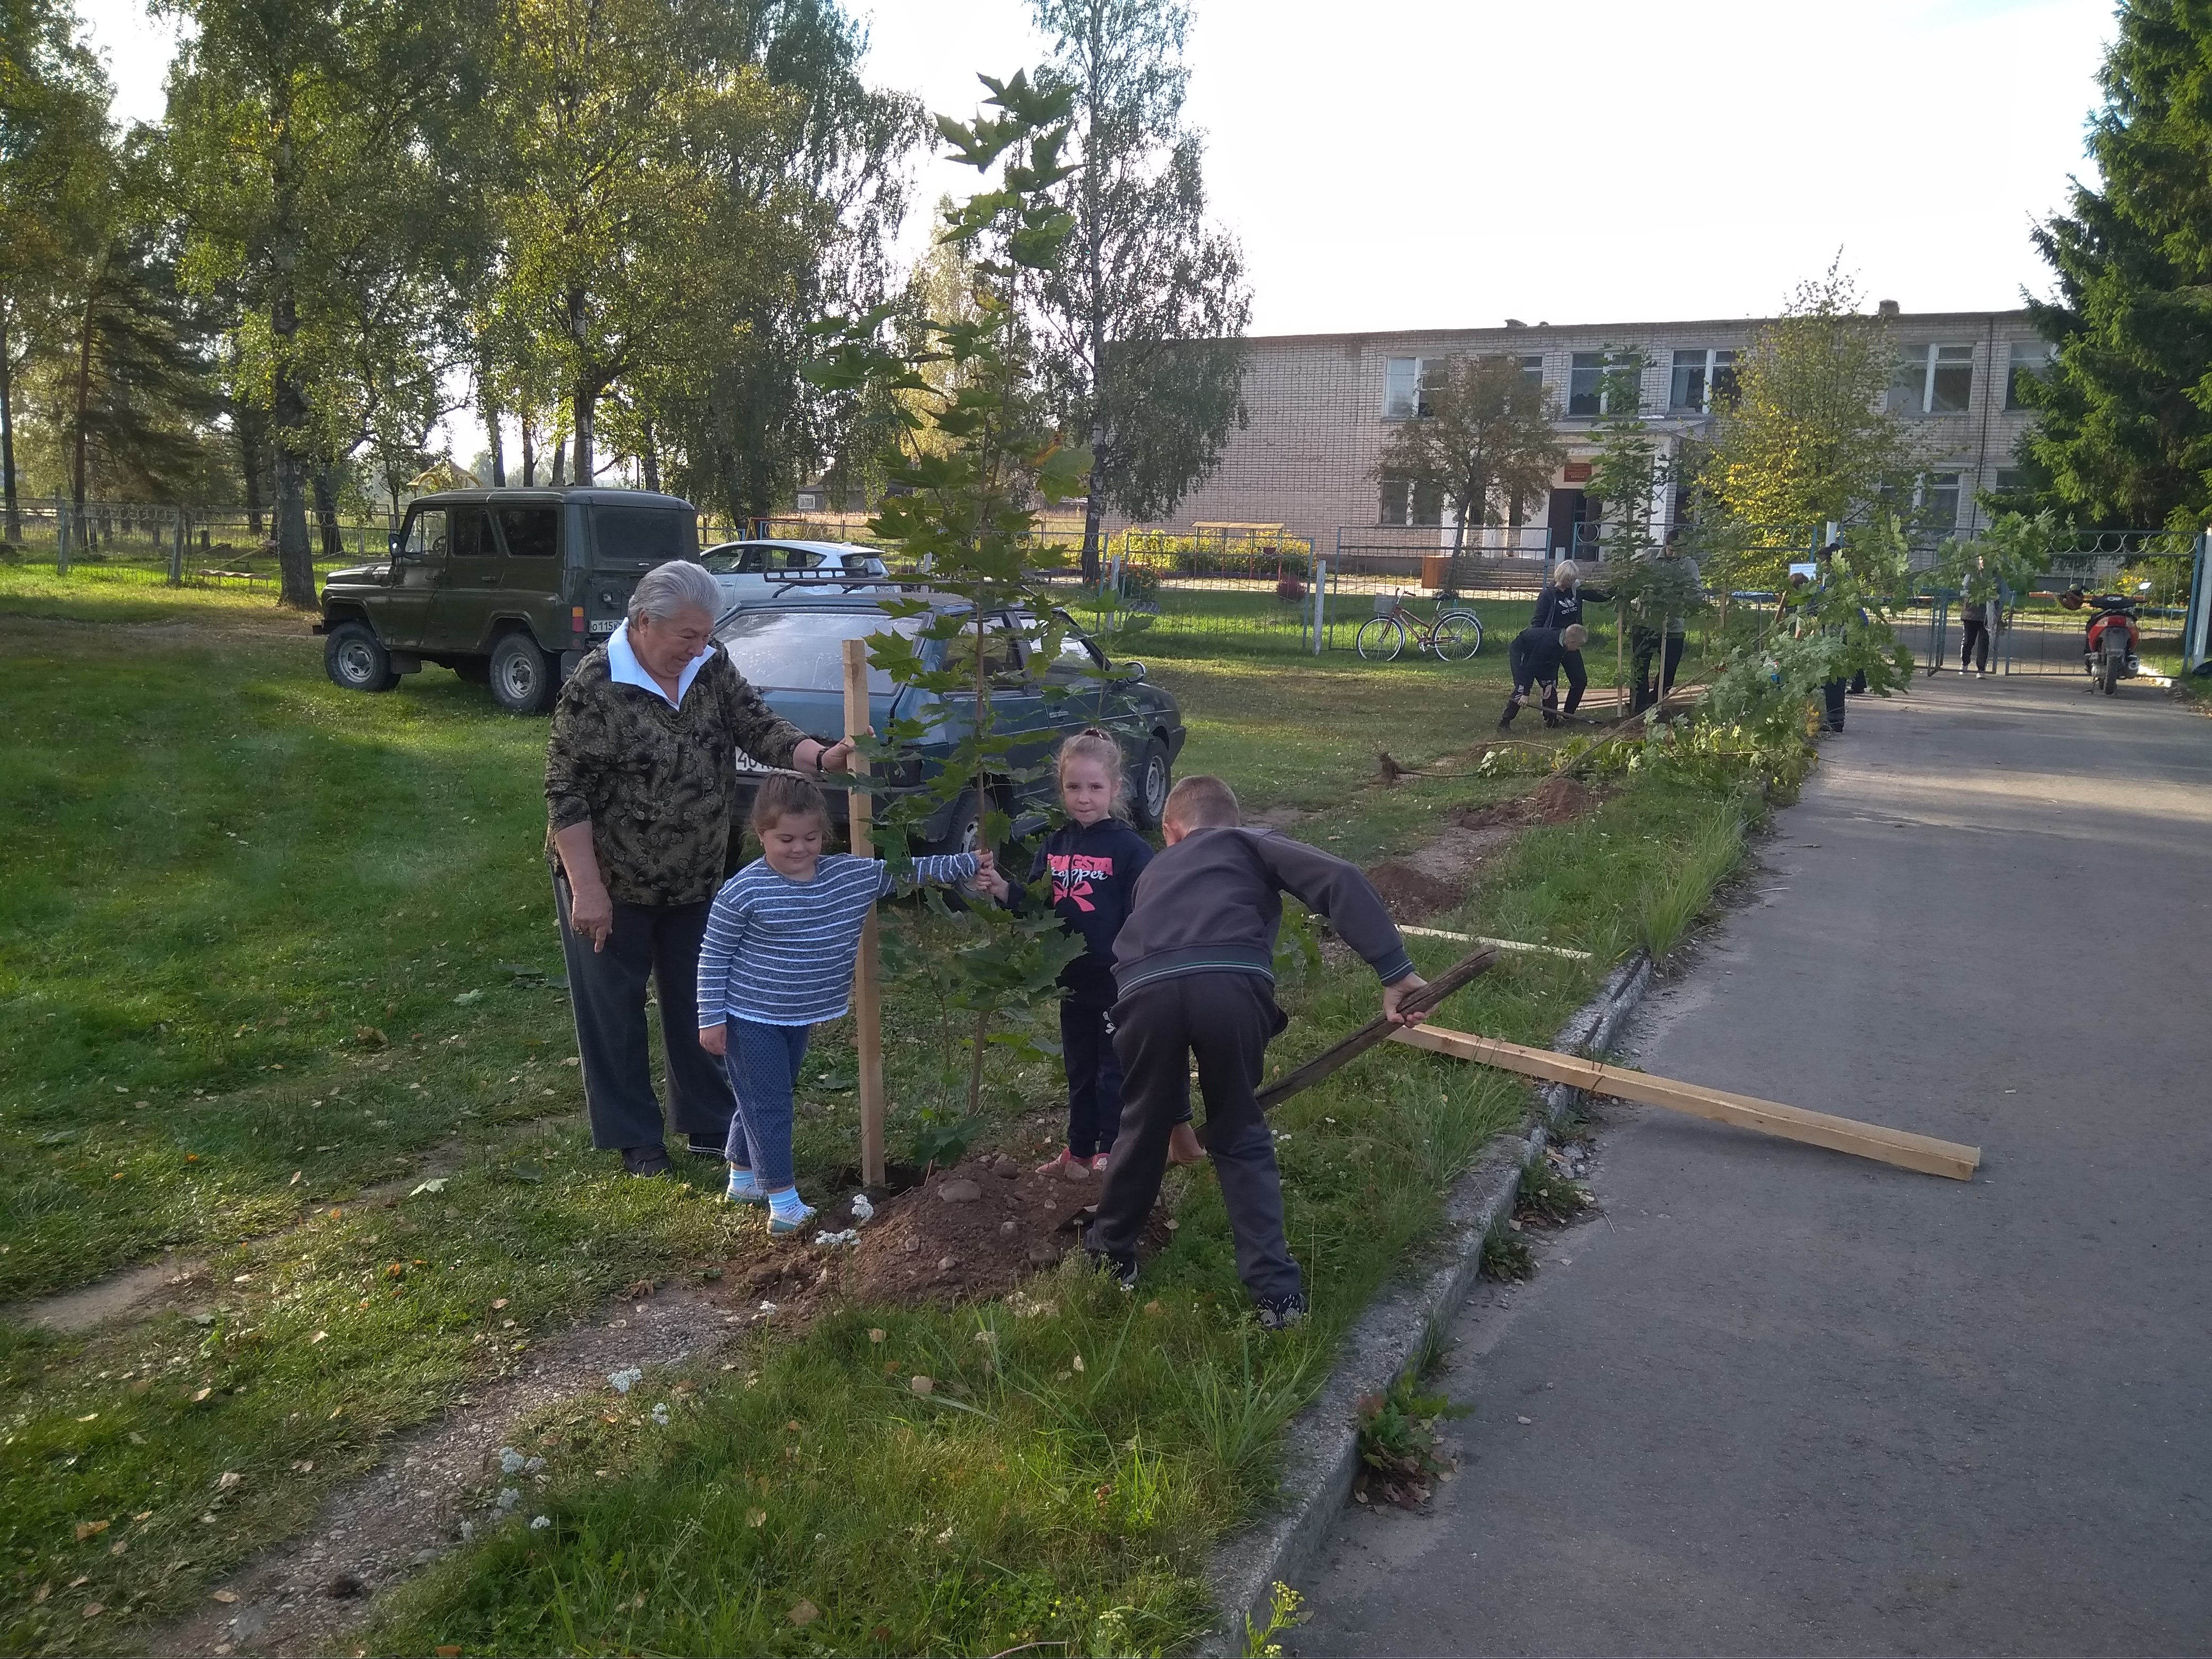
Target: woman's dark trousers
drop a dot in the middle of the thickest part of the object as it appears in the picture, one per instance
(606, 988)
(1974, 640)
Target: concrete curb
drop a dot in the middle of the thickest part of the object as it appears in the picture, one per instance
(1324, 1439)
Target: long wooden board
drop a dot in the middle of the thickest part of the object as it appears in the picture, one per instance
(1843, 1135)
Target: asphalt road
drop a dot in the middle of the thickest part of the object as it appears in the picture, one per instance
(1783, 1401)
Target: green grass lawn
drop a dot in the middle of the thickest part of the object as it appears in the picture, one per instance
(264, 945)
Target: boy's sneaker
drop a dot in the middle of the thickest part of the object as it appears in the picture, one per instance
(1125, 1273)
(744, 1189)
(789, 1223)
(1280, 1313)
(646, 1160)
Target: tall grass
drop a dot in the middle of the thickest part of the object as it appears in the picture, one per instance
(1673, 906)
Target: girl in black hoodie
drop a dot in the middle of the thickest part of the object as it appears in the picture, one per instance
(1094, 859)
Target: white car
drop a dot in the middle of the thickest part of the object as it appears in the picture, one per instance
(752, 571)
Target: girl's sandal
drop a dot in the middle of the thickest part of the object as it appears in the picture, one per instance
(1063, 1163)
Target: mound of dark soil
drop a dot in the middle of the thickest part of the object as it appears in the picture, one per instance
(1412, 894)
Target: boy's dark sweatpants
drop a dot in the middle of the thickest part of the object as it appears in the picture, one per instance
(1226, 1019)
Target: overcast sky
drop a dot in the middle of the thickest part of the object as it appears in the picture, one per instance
(1448, 163)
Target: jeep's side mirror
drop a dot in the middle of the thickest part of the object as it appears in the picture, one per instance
(392, 542)
(1136, 669)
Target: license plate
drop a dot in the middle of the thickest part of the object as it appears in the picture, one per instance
(608, 625)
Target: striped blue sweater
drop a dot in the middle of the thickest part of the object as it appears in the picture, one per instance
(781, 952)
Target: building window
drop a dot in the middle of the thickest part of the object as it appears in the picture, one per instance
(2027, 360)
(1406, 383)
(1532, 368)
(1405, 502)
(1701, 380)
(1939, 500)
(1933, 380)
(2011, 480)
(1586, 383)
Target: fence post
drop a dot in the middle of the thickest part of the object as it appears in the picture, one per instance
(1321, 603)
(177, 550)
(61, 537)
(2195, 618)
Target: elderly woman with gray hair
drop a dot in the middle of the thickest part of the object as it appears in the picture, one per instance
(641, 778)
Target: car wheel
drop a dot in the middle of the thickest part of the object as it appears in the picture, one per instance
(960, 830)
(355, 659)
(521, 675)
(1149, 785)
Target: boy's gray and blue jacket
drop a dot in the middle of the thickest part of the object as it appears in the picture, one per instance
(781, 952)
(1212, 903)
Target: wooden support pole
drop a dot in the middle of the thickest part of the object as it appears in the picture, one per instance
(1842, 1134)
(867, 986)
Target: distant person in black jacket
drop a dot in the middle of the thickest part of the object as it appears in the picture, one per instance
(1561, 605)
(1534, 656)
(1094, 859)
(1195, 967)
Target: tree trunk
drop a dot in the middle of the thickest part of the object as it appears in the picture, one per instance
(529, 450)
(247, 424)
(1093, 511)
(560, 461)
(326, 512)
(649, 460)
(498, 443)
(587, 406)
(77, 436)
(14, 531)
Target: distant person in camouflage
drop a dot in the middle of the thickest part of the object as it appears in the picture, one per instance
(639, 785)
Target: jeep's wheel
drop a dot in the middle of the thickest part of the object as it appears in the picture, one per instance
(521, 675)
(355, 659)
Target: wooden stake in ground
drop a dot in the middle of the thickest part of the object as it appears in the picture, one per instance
(1374, 1030)
(867, 986)
(1842, 1134)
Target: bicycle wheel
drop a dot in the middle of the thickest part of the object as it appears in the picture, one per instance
(1459, 636)
(1381, 638)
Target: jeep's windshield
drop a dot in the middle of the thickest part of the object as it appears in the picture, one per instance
(780, 650)
(641, 536)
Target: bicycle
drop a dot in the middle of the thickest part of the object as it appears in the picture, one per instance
(1455, 635)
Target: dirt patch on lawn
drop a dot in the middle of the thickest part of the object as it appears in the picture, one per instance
(383, 1528)
(1557, 799)
(1436, 877)
(973, 1232)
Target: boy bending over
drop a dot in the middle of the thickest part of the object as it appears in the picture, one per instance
(1535, 657)
(1195, 967)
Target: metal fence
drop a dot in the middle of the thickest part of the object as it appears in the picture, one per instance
(185, 545)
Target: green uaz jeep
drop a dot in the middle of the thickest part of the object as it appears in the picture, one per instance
(508, 588)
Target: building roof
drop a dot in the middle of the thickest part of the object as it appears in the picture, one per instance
(1541, 330)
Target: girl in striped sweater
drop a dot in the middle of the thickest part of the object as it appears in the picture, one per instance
(778, 959)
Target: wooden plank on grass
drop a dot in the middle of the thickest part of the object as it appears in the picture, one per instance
(1842, 1134)
(867, 989)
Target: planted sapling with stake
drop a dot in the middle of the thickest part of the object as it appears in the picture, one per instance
(973, 456)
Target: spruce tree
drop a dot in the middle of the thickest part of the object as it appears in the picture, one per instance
(2126, 435)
